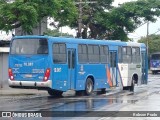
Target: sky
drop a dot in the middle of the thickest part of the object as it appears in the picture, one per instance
(137, 34)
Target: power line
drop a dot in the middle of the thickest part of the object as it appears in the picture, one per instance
(80, 2)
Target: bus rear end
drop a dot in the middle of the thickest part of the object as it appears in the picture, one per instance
(28, 63)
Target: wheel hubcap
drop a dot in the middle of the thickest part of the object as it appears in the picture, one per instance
(89, 87)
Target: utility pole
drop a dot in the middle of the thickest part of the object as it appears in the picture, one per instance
(147, 37)
(79, 34)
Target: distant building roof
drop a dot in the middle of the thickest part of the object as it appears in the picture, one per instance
(4, 49)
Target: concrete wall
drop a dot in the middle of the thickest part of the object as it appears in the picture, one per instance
(40, 29)
(4, 69)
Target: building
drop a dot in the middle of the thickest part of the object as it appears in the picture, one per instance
(40, 29)
(4, 52)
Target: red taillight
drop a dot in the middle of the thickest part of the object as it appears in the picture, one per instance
(10, 74)
(47, 74)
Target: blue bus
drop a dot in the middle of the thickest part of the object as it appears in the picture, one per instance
(59, 64)
(155, 62)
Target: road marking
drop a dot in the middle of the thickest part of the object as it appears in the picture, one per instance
(104, 118)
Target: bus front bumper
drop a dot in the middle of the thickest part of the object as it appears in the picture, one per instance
(30, 84)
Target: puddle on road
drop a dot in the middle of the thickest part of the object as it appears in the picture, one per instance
(87, 104)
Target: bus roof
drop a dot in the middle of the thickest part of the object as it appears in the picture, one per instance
(82, 41)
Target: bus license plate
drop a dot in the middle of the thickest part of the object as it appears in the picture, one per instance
(28, 75)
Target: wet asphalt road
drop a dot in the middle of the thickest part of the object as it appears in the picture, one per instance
(145, 98)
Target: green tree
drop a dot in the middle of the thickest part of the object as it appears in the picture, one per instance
(90, 19)
(107, 22)
(153, 43)
(56, 33)
(27, 13)
(129, 16)
(101, 19)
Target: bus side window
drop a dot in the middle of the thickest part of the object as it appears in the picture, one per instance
(136, 55)
(126, 54)
(59, 53)
(82, 53)
(119, 54)
(93, 53)
(104, 54)
(42, 47)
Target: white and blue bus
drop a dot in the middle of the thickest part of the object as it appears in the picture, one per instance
(59, 64)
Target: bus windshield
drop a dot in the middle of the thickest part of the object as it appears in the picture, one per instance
(155, 57)
(29, 46)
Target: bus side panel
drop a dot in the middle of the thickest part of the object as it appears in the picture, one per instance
(144, 57)
(97, 71)
(60, 77)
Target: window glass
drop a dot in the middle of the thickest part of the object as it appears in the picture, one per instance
(56, 48)
(84, 49)
(119, 54)
(82, 54)
(155, 56)
(62, 48)
(96, 50)
(90, 49)
(80, 49)
(136, 55)
(93, 53)
(124, 50)
(29, 46)
(126, 54)
(104, 54)
(59, 53)
(128, 50)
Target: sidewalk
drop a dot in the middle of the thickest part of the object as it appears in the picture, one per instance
(7, 91)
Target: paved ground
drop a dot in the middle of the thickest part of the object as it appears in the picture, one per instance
(145, 98)
(6, 91)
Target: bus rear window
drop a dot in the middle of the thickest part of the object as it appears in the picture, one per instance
(29, 46)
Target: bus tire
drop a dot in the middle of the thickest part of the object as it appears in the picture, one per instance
(55, 93)
(89, 86)
(132, 86)
(126, 88)
(103, 90)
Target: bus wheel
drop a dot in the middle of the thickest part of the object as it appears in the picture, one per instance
(132, 86)
(89, 86)
(55, 93)
(103, 90)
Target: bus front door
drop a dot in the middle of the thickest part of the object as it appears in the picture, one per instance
(113, 67)
(71, 67)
